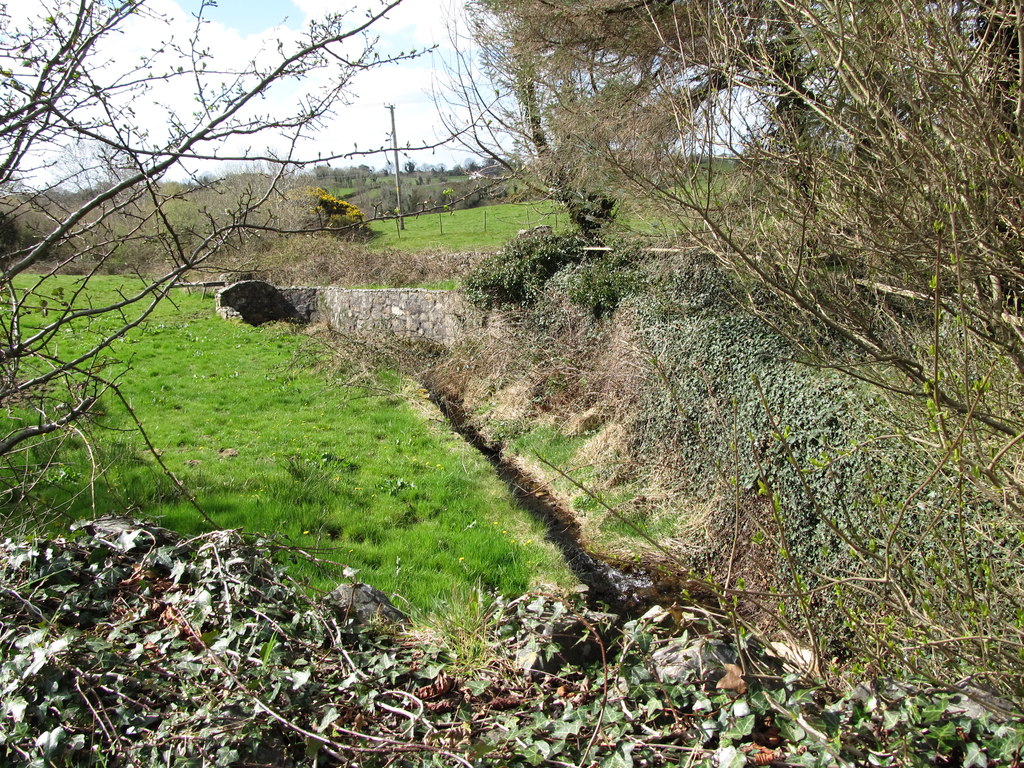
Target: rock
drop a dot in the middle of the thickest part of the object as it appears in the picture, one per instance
(363, 604)
(970, 700)
(127, 533)
(442, 317)
(542, 230)
(702, 661)
(977, 702)
(799, 659)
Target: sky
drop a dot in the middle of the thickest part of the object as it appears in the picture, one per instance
(421, 24)
(241, 34)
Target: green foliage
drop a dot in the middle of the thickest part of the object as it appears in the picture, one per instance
(517, 275)
(835, 477)
(600, 284)
(734, 408)
(139, 648)
(597, 280)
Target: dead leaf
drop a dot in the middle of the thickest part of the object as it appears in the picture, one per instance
(761, 756)
(505, 702)
(436, 689)
(732, 680)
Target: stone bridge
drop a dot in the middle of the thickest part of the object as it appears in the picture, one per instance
(439, 316)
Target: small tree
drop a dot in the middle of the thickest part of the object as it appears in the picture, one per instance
(505, 94)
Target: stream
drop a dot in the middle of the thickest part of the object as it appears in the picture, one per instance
(626, 589)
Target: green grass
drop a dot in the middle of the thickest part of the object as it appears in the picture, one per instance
(341, 192)
(490, 227)
(546, 446)
(486, 227)
(271, 440)
(549, 443)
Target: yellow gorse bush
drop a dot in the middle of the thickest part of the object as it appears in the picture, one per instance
(326, 210)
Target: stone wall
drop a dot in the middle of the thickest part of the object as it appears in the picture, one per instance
(439, 316)
(256, 302)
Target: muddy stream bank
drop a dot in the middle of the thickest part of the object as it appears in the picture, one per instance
(626, 588)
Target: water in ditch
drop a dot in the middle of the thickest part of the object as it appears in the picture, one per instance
(626, 590)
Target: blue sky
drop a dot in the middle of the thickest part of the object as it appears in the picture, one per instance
(249, 17)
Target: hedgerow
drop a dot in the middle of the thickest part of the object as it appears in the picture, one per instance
(516, 275)
(816, 506)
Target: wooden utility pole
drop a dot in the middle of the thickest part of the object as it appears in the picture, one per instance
(398, 177)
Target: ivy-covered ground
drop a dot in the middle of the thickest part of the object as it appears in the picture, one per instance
(128, 645)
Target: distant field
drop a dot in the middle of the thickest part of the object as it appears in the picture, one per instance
(476, 228)
(271, 439)
(341, 192)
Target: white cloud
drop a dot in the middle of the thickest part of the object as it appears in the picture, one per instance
(413, 23)
(358, 121)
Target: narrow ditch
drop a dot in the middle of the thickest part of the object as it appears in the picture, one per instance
(627, 589)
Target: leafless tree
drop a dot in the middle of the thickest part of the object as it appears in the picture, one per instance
(82, 159)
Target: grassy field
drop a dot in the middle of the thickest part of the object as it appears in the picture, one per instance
(492, 226)
(268, 438)
(474, 229)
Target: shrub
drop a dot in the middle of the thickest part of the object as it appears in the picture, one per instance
(516, 276)
(8, 233)
(601, 284)
(325, 211)
(319, 259)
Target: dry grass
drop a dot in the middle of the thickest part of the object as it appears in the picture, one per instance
(327, 260)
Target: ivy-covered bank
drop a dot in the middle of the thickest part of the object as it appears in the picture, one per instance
(127, 645)
(663, 403)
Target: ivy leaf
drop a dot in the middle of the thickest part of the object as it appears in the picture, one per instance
(791, 731)
(49, 741)
(622, 757)
(730, 757)
(743, 727)
(299, 678)
(15, 709)
(975, 756)
(329, 717)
